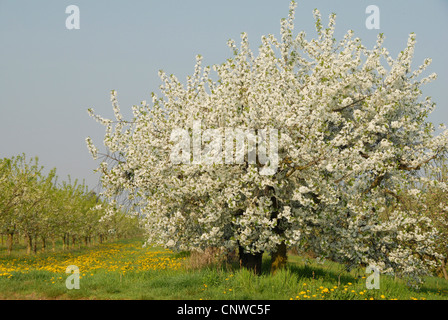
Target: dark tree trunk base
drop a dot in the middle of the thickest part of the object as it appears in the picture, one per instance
(251, 261)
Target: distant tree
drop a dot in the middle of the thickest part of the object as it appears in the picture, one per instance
(32, 204)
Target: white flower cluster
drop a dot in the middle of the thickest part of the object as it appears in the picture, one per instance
(351, 132)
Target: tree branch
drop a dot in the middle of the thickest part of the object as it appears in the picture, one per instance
(402, 166)
(375, 183)
(351, 104)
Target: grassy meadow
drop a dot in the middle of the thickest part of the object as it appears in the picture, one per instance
(126, 270)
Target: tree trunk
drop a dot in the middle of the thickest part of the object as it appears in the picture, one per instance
(9, 242)
(29, 243)
(35, 244)
(64, 241)
(279, 257)
(445, 274)
(53, 243)
(44, 244)
(251, 261)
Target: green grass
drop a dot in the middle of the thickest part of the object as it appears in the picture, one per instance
(120, 271)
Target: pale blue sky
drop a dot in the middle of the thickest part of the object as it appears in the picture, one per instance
(49, 75)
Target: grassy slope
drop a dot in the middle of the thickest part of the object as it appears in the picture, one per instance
(125, 271)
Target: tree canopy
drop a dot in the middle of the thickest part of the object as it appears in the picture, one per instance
(352, 130)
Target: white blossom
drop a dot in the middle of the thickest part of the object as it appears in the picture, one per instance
(350, 134)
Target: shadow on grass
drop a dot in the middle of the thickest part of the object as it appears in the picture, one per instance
(310, 271)
(435, 286)
(314, 272)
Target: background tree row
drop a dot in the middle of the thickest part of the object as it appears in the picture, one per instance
(38, 210)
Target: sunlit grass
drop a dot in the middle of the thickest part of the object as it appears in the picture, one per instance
(126, 270)
(121, 257)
